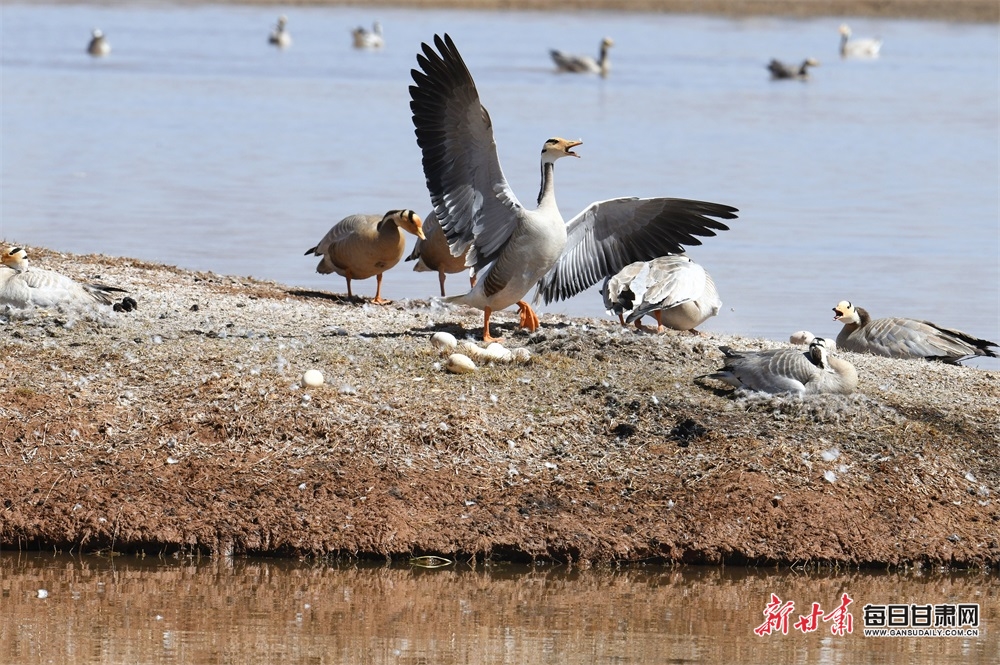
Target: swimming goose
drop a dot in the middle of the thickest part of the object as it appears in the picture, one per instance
(584, 64)
(22, 286)
(858, 48)
(360, 246)
(433, 255)
(897, 337)
(368, 38)
(789, 371)
(780, 70)
(280, 36)
(512, 247)
(98, 45)
(677, 291)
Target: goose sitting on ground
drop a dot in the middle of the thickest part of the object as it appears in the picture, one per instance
(368, 38)
(514, 248)
(584, 64)
(362, 246)
(280, 36)
(897, 337)
(432, 254)
(858, 48)
(23, 287)
(678, 292)
(788, 371)
(98, 46)
(780, 70)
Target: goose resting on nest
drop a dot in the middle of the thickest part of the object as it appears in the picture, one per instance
(368, 38)
(280, 36)
(858, 48)
(432, 254)
(512, 247)
(788, 371)
(362, 246)
(584, 64)
(780, 70)
(98, 45)
(23, 287)
(897, 337)
(678, 292)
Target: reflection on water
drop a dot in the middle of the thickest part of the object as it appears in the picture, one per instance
(197, 144)
(131, 610)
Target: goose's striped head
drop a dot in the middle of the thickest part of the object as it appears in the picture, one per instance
(845, 312)
(406, 220)
(16, 258)
(556, 148)
(818, 352)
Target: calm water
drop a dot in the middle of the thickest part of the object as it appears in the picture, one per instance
(151, 611)
(197, 144)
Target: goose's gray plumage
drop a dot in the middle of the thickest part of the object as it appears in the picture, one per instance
(863, 47)
(98, 45)
(781, 70)
(897, 337)
(512, 247)
(23, 286)
(363, 246)
(789, 370)
(584, 64)
(432, 254)
(280, 36)
(678, 292)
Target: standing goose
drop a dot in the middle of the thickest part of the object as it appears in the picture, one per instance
(678, 292)
(857, 48)
(780, 70)
(512, 247)
(280, 36)
(897, 337)
(432, 254)
(23, 287)
(362, 246)
(368, 38)
(789, 371)
(98, 46)
(584, 64)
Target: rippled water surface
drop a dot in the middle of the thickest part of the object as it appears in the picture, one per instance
(127, 610)
(197, 144)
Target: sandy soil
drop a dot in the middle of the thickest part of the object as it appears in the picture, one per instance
(183, 426)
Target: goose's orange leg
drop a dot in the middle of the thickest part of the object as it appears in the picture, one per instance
(529, 319)
(378, 291)
(487, 338)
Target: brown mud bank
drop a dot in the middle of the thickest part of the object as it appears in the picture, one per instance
(182, 427)
(944, 10)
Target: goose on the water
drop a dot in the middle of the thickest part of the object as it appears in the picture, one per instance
(23, 286)
(584, 64)
(862, 47)
(781, 70)
(679, 293)
(280, 36)
(98, 45)
(432, 254)
(514, 248)
(897, 337)
(788, 370)
(368, 38)
(363, 246)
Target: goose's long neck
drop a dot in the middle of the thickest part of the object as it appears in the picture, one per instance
(547, 192)
(603, 61)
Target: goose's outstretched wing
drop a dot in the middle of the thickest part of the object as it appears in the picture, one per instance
(609, 235)
(471, 197)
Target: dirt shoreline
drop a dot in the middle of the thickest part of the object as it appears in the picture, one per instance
(182, 427)
(980, 11)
